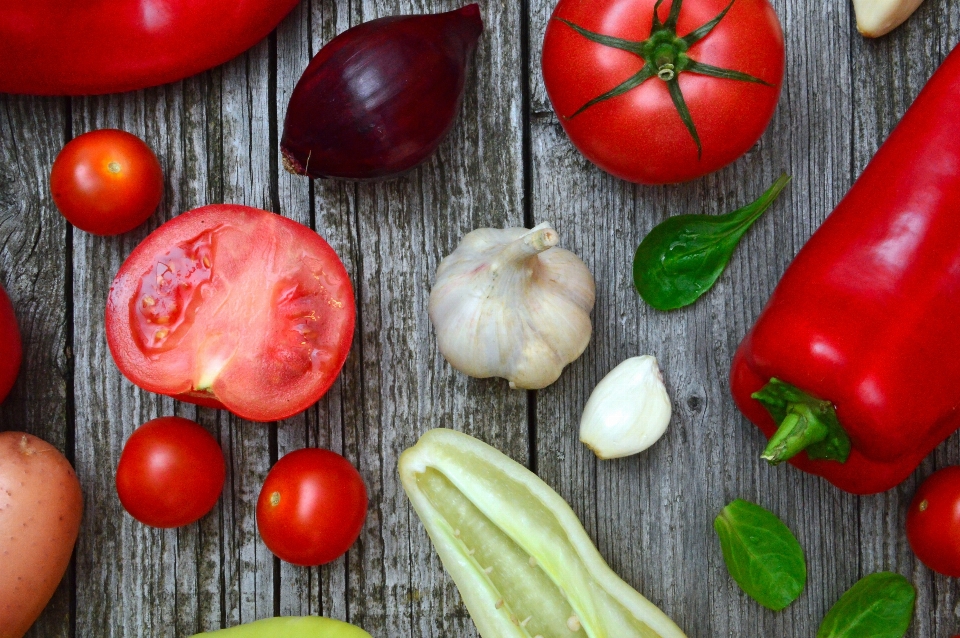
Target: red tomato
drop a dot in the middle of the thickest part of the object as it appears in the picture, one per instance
(933, 522)
(638, 135)
(312, 507)
(57, 47)
(233, 307)
(10, 349)
(106, 182)
(171, 472)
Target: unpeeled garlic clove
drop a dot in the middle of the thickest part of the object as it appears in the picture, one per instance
(878, 17)
(508, 303)
(628, 411)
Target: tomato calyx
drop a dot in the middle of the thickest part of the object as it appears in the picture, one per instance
(665, 56)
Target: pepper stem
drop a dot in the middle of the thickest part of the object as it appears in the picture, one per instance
(806, 424)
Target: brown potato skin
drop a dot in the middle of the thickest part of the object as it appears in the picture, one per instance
(40, 509)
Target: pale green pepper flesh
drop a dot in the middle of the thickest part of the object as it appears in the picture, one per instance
(291, 627)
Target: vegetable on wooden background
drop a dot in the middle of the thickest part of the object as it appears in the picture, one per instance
(628, 411)
(290, 627)
(51, 47)
(879, 17)
(508, 303)
(380, 97)
(933, 522)
(864, 319)
(682, 257)
(879, 606)
(40, 509)
(235, 308)
(518, 554)
(11, 351)
(761, 554)
(612, 70)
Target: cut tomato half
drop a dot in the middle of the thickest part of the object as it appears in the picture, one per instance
(233, 307)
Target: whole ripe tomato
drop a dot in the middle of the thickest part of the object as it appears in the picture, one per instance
(10, 349)
(312, 507)
(933, 522)
(622, 79)
(171, 472)
(106, 182)
(233, 307)
(52, 47)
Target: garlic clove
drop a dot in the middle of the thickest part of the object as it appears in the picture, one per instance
(628, 411)
(878, 17)
(508, 303)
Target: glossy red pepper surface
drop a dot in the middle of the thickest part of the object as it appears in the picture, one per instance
(77, 47)
(867, 316)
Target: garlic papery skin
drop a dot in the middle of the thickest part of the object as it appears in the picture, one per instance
(879, 17)
(508, 303)
(628, 411)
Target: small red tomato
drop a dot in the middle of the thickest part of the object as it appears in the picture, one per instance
(106, 182)
(933, 522)
(312, 507)
(10, 349)
(171, 472)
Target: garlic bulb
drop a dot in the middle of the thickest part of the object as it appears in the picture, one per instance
(628, 411)
(878, 17)
(507, 303)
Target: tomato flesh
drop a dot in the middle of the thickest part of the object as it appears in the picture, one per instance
(234, 307)
(933, 522)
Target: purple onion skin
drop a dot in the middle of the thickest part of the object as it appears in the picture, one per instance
(379, 98)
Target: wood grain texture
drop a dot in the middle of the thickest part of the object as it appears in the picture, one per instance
(217, 136)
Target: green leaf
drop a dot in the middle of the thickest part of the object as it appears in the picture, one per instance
(761, 554)
(684, 256)
(878, 606)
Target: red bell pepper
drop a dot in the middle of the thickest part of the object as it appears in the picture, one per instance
(76, 47)
(856, 357)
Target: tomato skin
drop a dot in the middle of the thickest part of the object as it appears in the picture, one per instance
(638, 136)
(171, 472)
(106, 182)
(52, 47)
(933, 522)
(312, 507)
(11, 350)
(233, 307)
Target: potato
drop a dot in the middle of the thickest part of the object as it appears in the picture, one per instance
(40, 508)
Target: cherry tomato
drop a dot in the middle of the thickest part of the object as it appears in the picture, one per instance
(10, 349)
(312, 507)
(622, 102)
(171, 472)
(106, 182)
(233, 307)
(53, 47)
(933, 522)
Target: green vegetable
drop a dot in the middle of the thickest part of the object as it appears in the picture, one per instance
(878, 606)
(761, 554)
(291, 627)
(522, 562)
(684, 256)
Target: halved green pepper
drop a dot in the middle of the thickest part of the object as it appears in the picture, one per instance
(522, 561)
(291, 627)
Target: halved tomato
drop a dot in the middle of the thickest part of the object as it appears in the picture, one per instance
(233, 307)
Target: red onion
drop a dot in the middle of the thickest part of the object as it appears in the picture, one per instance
(380, 97)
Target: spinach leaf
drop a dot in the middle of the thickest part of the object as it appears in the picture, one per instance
(878, 606)
(684, 256)
(761, 554)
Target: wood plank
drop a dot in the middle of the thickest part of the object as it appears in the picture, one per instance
(34, 272)
(396, 586)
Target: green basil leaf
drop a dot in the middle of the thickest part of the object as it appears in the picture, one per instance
(684, 256)
(878, 606)
(761, 554)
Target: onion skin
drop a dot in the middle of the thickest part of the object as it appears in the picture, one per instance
(379, 98)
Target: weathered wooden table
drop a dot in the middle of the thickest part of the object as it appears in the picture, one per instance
(507, 164)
